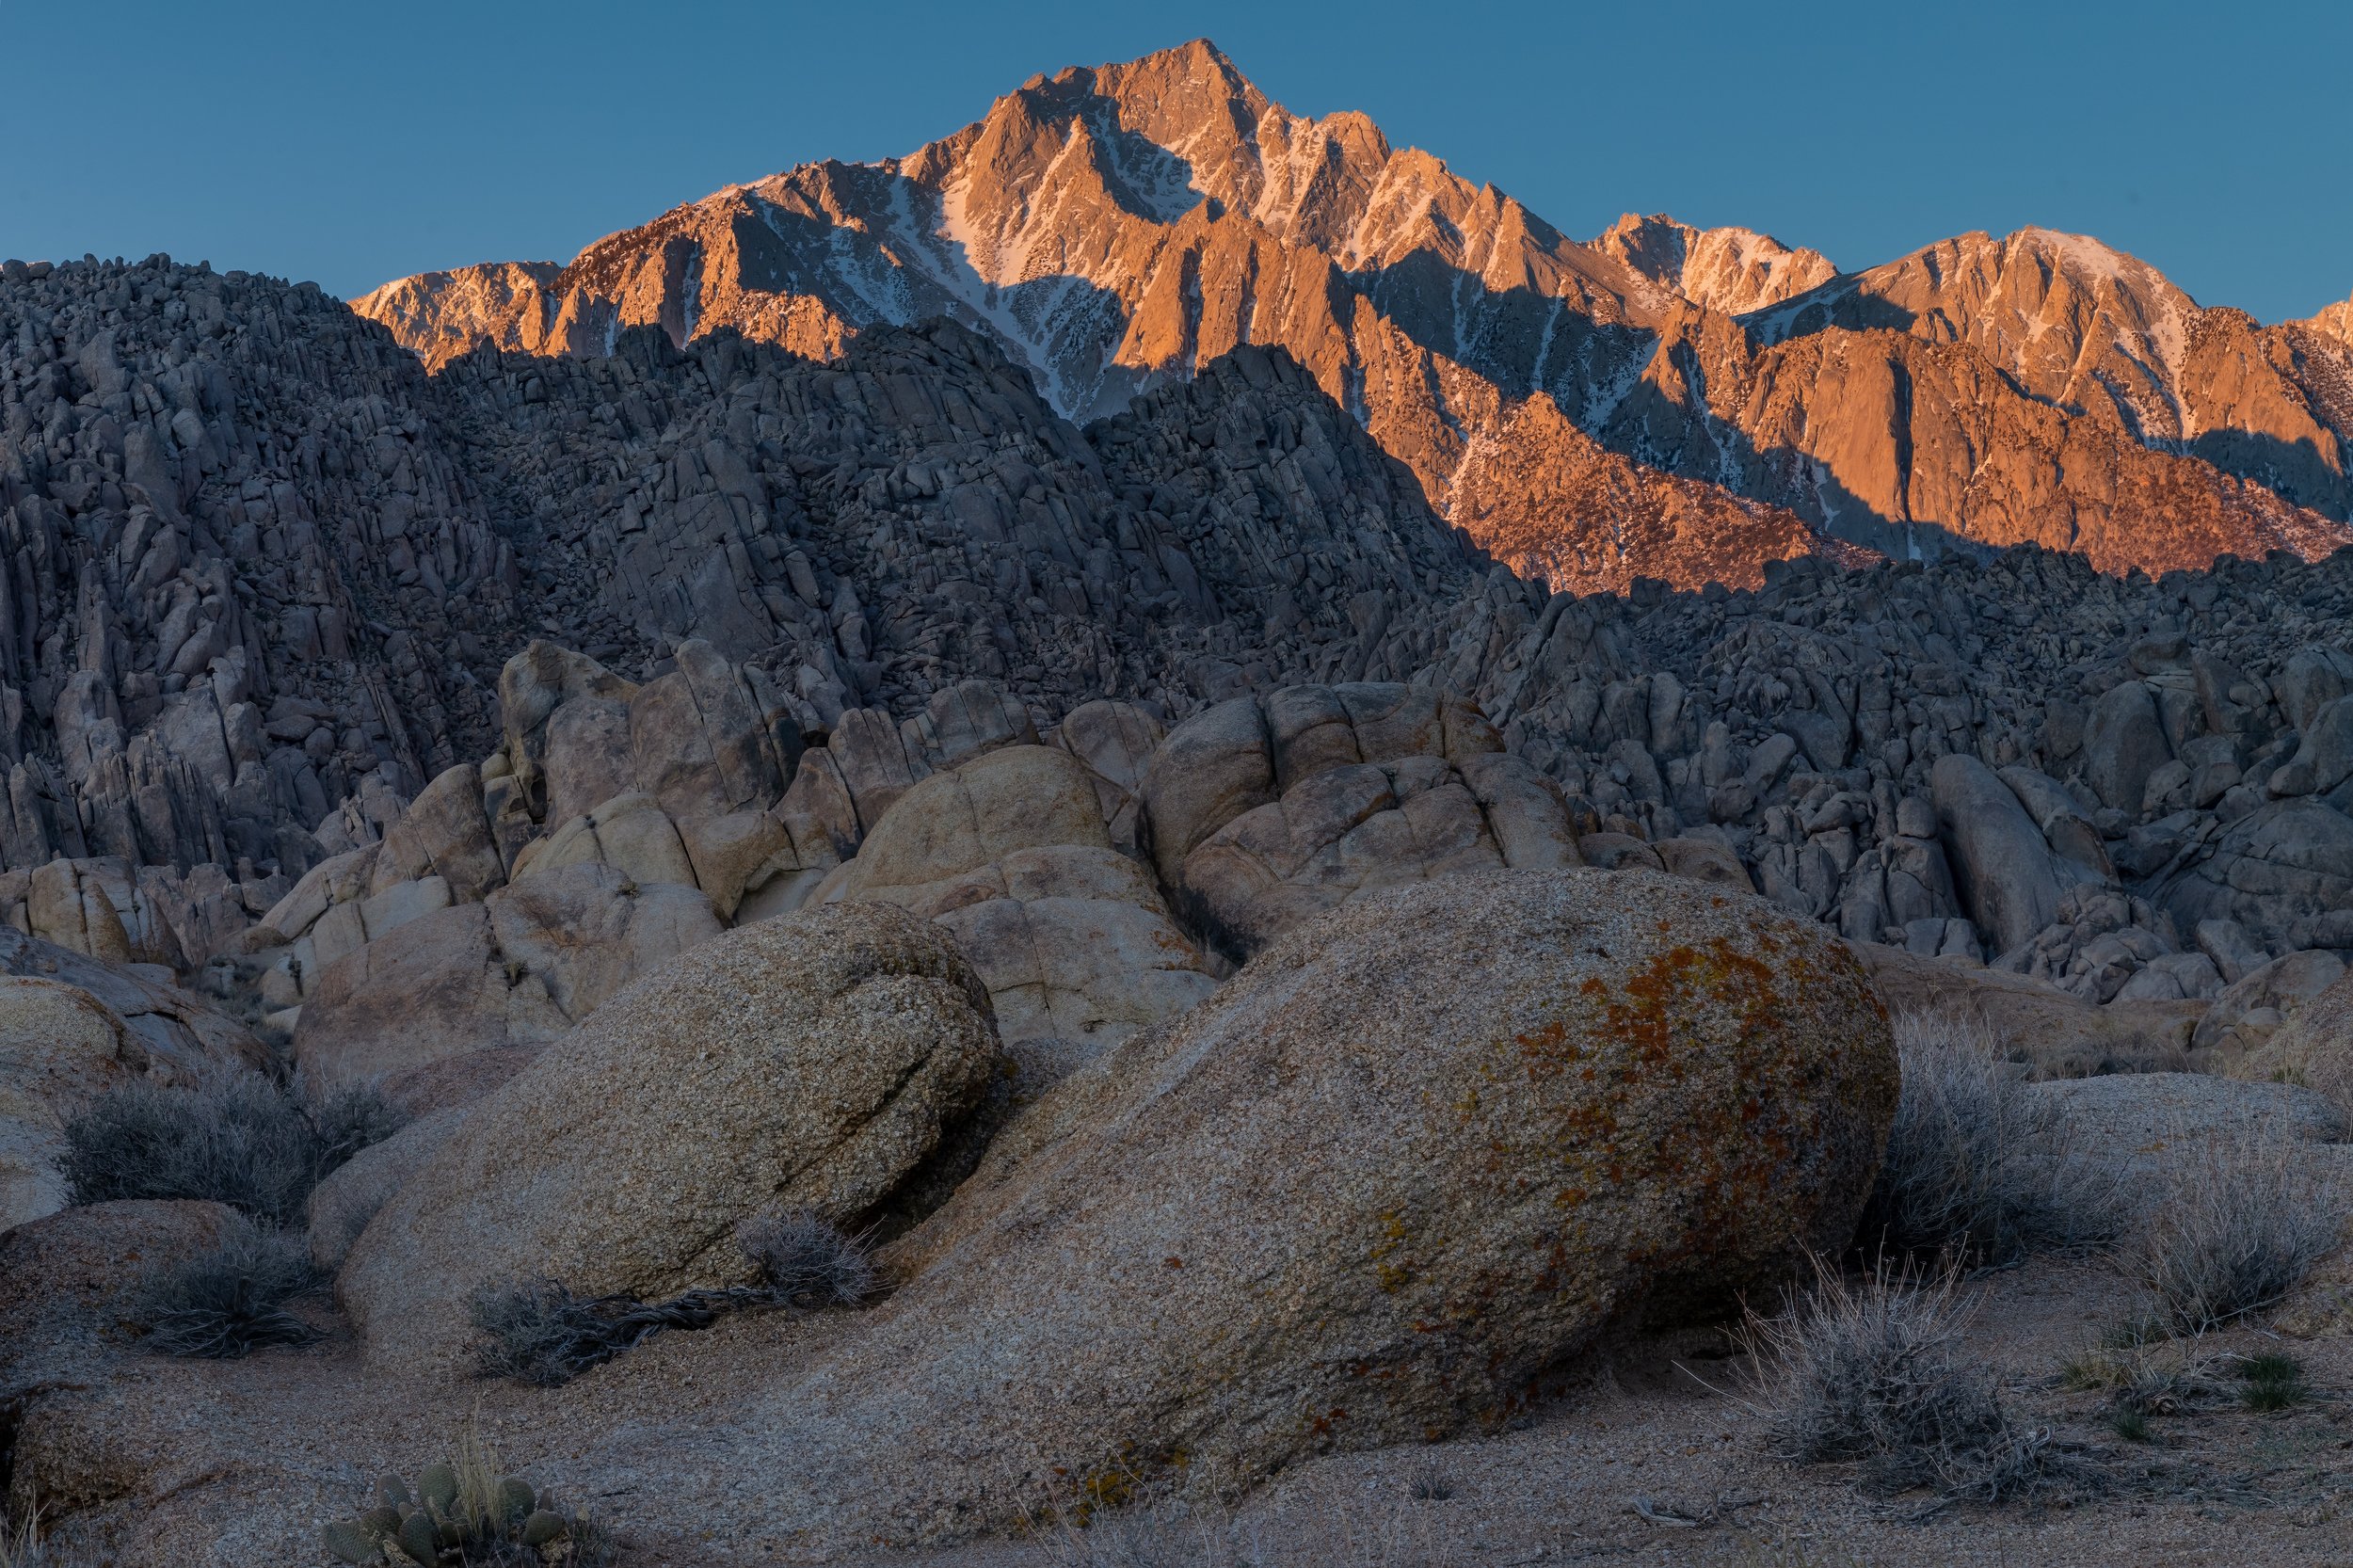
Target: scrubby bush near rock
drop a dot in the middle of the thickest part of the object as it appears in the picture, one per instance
(803, 1261)
(231, 1298)
(1975, 1165)
(2240, 1224)
(239, 1140)
(353, 1117)
(1877, 1371)
(464, 1514)
(540, 1332)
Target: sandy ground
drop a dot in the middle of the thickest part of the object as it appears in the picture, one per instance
(2221, 1487)
(1637, 1429)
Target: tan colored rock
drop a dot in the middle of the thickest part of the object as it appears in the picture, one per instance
(873, 762)
(1620, 852)
(532, 685)
(736, 853)
(61, 1047)
(179, 1037)
(1216, 1270)
(1115, 741)
(1704, 860)
(630, 833)
(336, 880)
(516, 969)
(2251, 1008)
(1010, 853)
(701, 744)
(443, 833)
(1262, 812)
(2059, 1033)
(808, 1062)
(72, 911)
(343, 1203)
(587, 757)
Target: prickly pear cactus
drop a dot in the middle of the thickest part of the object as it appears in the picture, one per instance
(449, 1522)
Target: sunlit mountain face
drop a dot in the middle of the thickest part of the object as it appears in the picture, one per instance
(1659, 401)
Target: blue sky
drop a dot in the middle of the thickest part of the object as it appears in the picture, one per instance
(354, 143)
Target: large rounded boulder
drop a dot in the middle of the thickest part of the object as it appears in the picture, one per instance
(1411, 1161)
(812, 1063)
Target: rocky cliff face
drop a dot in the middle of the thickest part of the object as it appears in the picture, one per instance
(1117, 228)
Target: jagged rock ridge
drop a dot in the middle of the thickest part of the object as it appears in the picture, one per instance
(1118, 227)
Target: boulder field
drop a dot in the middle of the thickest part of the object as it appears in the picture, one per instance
(1347, 1200)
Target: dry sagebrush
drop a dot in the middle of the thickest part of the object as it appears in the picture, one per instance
(229, 1299)
(2241, 1221)
(1878, 1371)
(1976, 1166)
(540, 1332)
(239, 1138)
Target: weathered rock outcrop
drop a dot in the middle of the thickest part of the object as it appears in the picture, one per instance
(1405, 1203)
(810, 1062)
(1263, 812)
(2313, 1047)
(516, 969)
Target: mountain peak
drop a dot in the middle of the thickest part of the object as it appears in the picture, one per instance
(1732, 270)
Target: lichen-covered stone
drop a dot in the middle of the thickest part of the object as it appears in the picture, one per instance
(1404, 1166)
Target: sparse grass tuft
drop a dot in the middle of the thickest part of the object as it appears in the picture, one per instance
(2274, 1380)
(1977, 1167)
(239, 1140)
(2143, 1328)
(2129, 1424)
(1158, 1535)
(1878, 1371)
(26, 1544)
(231, 1298)
(2243, 1222)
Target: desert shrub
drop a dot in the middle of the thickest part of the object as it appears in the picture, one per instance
(239, 1138)
(228, 1298)
(807, 1262)
(2240, 1222)
(1878, 1371)
(540, 1332)
(1974, 1164)
(464, 1513)
(352, 1118)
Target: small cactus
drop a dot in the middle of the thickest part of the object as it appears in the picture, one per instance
(465, 1513)
(420, 1539)
(438, 1487)
(351, 1540)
